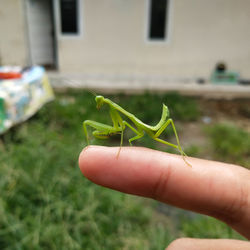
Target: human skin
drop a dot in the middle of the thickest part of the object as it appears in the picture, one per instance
(213, 188)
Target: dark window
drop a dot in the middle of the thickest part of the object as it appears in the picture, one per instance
(158, 16)
(69, 16)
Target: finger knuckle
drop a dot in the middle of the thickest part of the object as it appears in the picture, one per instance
(161, 186)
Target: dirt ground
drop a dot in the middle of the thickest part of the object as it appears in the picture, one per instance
(236, 112)
(233, 111)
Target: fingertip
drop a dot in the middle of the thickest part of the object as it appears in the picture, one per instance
(85, 159)
(88, 157)
(82, 158)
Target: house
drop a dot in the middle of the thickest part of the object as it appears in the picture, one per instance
(138, 38)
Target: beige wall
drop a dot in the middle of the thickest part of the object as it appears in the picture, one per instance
(114, 42)
(13, 48)
(201, 33)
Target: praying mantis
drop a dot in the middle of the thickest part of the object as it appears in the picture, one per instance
(104, 131)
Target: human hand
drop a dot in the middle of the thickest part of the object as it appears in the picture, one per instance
(212, 188)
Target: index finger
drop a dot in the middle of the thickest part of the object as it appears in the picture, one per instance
(217, 189)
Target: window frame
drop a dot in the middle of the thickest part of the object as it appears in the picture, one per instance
(80, 10)
(168, 24)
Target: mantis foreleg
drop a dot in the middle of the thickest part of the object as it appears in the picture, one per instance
(102, 131)
(115, 117)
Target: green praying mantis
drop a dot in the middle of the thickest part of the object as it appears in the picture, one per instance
(104, 131)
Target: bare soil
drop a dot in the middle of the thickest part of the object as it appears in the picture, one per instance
(235, 112)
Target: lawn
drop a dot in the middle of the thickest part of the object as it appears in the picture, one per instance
(46, 203)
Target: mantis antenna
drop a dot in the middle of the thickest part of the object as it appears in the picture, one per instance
(92, 92)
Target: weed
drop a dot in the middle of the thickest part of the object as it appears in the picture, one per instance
(206, 227)
(230, 143)
(45, 201)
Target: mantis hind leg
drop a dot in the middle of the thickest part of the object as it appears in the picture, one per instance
(178, 146)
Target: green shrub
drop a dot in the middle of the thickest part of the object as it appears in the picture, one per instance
(45, 201)
(148, 107)
(207, 227)
(230, 143)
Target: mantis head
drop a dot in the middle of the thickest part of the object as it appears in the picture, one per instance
(99, 101)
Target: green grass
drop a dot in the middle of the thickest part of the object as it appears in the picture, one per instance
(207, 227)
(230, 143)
(180, 107)
(46, 203)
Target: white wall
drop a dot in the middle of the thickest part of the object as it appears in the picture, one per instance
(201, 33)
(13, 44)
(113, 41)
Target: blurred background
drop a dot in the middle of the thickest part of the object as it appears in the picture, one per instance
(194, 56)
